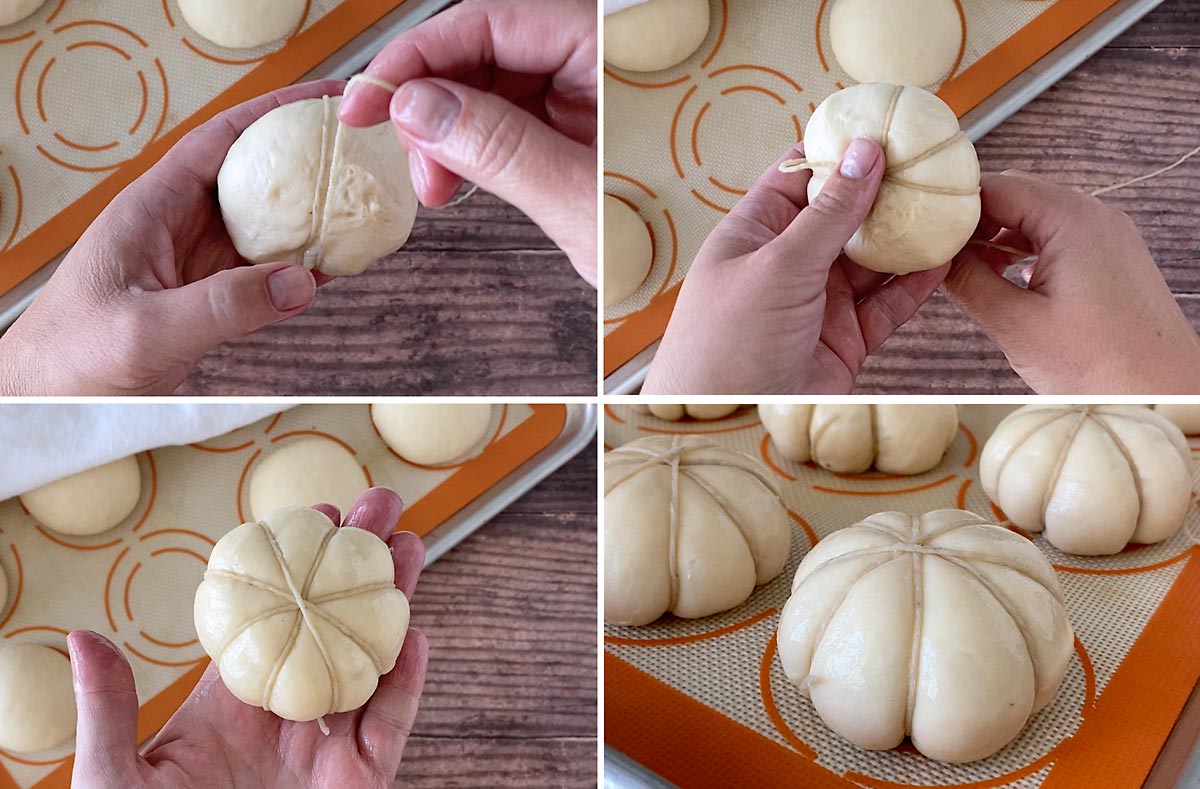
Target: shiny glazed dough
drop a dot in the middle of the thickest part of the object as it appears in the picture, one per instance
(674, 413)
(897, 439)
(242, 24)
(13, 11)
(308, 658)
(928, 205)
(719, 509)
(303, 473)
(38, 699)
(300, 186)
(1185, 417)
(628, 251)
(432, 434)
(89, 502)
(1093, 478)
(904, 42)
(941, 627)
(655, 35)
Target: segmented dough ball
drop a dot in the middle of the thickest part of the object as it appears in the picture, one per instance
(89, 502)
(301, 617)
(242, 24)
(928, 205)
(904, 42)
(674, 413)
(306, 472)
(299, 186)
(628, 251)
(432, 434)
(690, 528)
(897, 439)
(13, 11)
(655, 35)
(1185, 417)
(1092, 478)
(38, 698)
(942, 627)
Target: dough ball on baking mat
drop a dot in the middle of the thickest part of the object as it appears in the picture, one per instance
(674, 413)
(628, 251)
(305, 472)
(904, 42)
(655, 35)
(1185, 416)
(242, 24)
(433, 434)
(89, 502)
(37, 697)
(298, 185)
(13, 11)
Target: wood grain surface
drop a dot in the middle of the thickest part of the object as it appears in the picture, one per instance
(511, 616)
(1131, 109)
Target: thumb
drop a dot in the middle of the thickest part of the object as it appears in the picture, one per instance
(106, 699)
(486, 139)
(1000, 307)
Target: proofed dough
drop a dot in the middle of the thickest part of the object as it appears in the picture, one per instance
(89, 502)
(673, 413)
(628, 251)
(655, 35)
(38, 698)
(904, 42)
(432, 434)
(942, 627)
(13, 11)
(299, 186)
(1186, 417)
(301, 617)
(690, 528)
(928, 205)
(3, 589)
(242, 24)
(306, 472)
(897, 439)
(1093, 478)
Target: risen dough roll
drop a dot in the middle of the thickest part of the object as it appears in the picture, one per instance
(300, 186)
(1185, 417)
(690, 528)
(628, 251)
(301, 617)
(89, 502)
(13, 11)
(655, 35)
(1093, 478)
(673, 413)
(37, 697)
(904, 42)
(303, 473)
(942, 627)
(3, 589)
(242, 24)
(897, 439)
(433, 434)
(928, 205)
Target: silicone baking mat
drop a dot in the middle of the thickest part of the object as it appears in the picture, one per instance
(705, 702)
(682, 145)
(99, 90)
(135, 583)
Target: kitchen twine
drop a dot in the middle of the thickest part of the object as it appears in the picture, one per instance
(383, 84)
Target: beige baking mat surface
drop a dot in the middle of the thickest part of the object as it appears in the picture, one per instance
(134, 584)
(95, 91)
(679, 691)
(682, 145)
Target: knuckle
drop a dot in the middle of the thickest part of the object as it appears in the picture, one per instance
(500, 147)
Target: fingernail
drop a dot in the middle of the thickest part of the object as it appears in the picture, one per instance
(425, 110)
(859, 158)
(290, 288)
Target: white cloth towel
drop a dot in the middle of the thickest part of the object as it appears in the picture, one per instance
(613, 6)
(43, 443)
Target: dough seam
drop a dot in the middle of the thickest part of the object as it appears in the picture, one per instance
(1056, 472)
(1003, 464)
(664, 458)
(1133, 472)
(320, 200)
(918, 628)
(890, 116)
(673, 527)
(874, 417)
(723, 504)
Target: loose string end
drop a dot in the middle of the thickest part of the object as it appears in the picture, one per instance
(795, 166)
(323, 726)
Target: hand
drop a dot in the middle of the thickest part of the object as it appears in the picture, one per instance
(216, 740)
(501, 93)
(1097, 317)
(155, 282)
(772, 306)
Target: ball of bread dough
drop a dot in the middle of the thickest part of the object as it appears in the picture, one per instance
(1093, 478)
(299, 186)
(38, 698)
(628, 251)
(303, 473)
(928, 205)
(904, 42)
(3, 589)
(89, 502)
(432, 434)
(1185, 417)
(242, 24)
(942, 627)
(674, 413)
(655, 35)
(301, 617)
(690, 528)
(896, 439)
(13, 11)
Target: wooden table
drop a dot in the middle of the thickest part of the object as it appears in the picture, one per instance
(1130, 109)
(511, 615)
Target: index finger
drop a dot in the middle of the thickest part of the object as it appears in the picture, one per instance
(768, 207)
